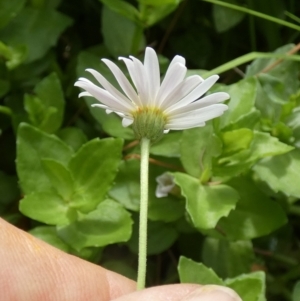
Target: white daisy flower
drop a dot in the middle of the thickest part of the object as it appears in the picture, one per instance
(151, 107)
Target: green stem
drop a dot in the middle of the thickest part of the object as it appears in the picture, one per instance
(142, 265)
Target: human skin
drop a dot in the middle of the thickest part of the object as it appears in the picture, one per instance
(32, 270)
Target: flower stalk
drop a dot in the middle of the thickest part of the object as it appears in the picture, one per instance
(142, 259)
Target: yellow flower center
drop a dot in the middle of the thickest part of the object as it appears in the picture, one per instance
(148, 123)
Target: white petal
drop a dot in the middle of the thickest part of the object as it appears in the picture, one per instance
(166, 131)
(99, 106)
(144, 87)
(126, 122)
(82, 94)
(184, 125)
(152, 72)
(136, 77)
(181, 90)
(177, 59)
(202, 102)
(103, 96)
(200, 115)
(122, 80)
(174, 77)
(109, 87)
(195, 94)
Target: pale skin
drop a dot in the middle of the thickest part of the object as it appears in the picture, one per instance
(32, 270)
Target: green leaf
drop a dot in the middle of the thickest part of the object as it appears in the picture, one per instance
(285, 72)
(46, 109)
(60, 177)
(49, 235)
(152, 14)
(72, 136)
(281, 173)
(107, 224)
(263, 145)
(158, 2)
(126, 191)
(38, 29)
(161, 236)
(226, 18)
(14, 56)
(226, 258)
(111, 123)
(236, 140)
(9, 9)
(47, 207)
(123, 8)
(255, 281)
(242, 101)
(206, 204)
(34, 145)
(197, 147)
(252, 216)
(168, 146)
(194, 272)
(121, 35)
(94, 168)
(296, 291)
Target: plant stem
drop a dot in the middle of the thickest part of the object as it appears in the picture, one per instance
(141, 279)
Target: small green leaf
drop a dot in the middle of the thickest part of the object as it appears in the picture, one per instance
(49, 235)
(38, 29)
(226, 18)
(161, 236)
(14, 56)
(252, 216)
(121, 35)
(226, 258)
(242, 100)
(93, 168)
(123, 8)
(168, 146)
(285, 72)
(281, 173)
(206, 204)
(50, 92)
(296, 291)
(34, 145)
(197, 147)
(263, 145)
(194, 272)
(72, 136)
(126, 191)
(236, 140)
(152, 14)
(60, 177)
(9, 9)
(107, 224)
(255, 281)
(158, 2)
(47, 207)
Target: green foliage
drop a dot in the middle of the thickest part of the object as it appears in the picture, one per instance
(250, 286)
(69, 173)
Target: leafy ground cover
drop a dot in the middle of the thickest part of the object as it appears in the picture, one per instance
(69, 173)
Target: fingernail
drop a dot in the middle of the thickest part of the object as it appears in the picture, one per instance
(212, 293)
